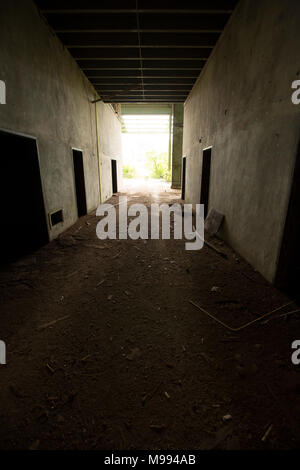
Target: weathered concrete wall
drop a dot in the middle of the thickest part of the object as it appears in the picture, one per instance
(48, 97)
(241, 106)
(110, 146)
(177, 145)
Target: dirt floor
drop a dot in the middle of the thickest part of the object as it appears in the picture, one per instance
(130, 362)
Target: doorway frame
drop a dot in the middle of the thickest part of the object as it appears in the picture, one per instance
(114, 161)
(183, 177)
(201, 182)
(74, 179)
(32, 137)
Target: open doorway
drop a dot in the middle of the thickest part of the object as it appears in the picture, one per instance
(23, 213)
(79, 182)
(147, 147)
(205, 179)
(288, 271)
(183, 178)
(114, 176)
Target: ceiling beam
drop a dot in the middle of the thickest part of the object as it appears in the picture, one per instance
(146, 100)
(98, 53)
(93, 73)
(168, 11)
(122, 46)
(134, 30)
(148, 40)
(117, 82)
(170, 64)
(146, 95)
(127, 22)
(131, 4)
(111, 89)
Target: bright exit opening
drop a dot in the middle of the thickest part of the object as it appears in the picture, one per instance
(147, 142)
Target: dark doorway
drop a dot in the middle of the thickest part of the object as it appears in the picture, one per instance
(205, 179)
(114, 174)
(24, 226)
(183, 178)
(288, 271)
(79, 182)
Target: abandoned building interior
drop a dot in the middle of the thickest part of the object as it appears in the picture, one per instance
(140, 344)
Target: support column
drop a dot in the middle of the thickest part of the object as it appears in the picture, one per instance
(177, 145)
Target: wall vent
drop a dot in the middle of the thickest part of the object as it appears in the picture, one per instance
(56, 217)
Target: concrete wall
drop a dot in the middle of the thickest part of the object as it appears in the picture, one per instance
(48, 97)
(110, 146)
(241, 106)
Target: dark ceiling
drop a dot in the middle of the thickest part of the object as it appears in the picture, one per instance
(139, 50)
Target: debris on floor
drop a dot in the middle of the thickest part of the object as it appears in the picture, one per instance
(140, 365)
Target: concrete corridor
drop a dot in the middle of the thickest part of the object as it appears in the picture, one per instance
(130, 363)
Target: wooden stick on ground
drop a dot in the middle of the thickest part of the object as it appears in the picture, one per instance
(243, 326)
(51, 323)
